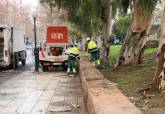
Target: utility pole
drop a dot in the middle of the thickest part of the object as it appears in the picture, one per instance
(36, 50)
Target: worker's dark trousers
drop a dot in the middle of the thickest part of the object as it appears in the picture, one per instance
(94, 56)
(71, 65)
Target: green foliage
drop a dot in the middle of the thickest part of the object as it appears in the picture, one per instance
(88, 15)
(85, 14)
(114, 8)
(121, 26)
(112, 37)
(147, 5)
(123, 23)
(74, 34)
(123, 5)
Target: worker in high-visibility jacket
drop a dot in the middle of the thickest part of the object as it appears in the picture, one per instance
(93, 50)
(73, 56)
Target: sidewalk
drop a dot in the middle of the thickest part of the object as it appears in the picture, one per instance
(44, 93)
(101, 95)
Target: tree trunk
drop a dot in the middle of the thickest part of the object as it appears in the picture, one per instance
(159, 79)
(134, 44)
(106, 29)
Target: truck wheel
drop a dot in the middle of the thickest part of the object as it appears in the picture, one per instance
(23, 62)
(44, 69)
(64, 65)
(16, 61)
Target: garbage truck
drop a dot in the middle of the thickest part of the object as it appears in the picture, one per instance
(56, 45)
(12, 47)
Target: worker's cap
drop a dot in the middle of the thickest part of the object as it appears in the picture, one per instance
(88, 39)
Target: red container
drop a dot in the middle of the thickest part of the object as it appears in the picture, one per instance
(57, 34)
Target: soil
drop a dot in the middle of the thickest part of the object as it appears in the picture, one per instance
(131, 79)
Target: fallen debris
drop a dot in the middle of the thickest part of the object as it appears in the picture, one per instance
(65, 109)
(61, 109)
(75, 105)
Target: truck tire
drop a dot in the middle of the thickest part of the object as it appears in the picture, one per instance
(64, 65)
(44, 69)
(23, 62)
(16, 60)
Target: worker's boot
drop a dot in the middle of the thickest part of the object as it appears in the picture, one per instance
(74, 70)
(98, 62)
(68, 71)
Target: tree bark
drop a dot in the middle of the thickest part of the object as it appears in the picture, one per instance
(134, 44)
(159, 79)
(106, 29)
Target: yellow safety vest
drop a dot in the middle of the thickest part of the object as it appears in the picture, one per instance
(92, 45)
(74, 51)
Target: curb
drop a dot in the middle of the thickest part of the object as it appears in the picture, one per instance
(102, 96)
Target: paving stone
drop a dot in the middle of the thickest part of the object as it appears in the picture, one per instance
(25, 92)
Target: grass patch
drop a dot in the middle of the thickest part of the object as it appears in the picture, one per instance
(130, 79)
(115, 50)
(148, 51)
